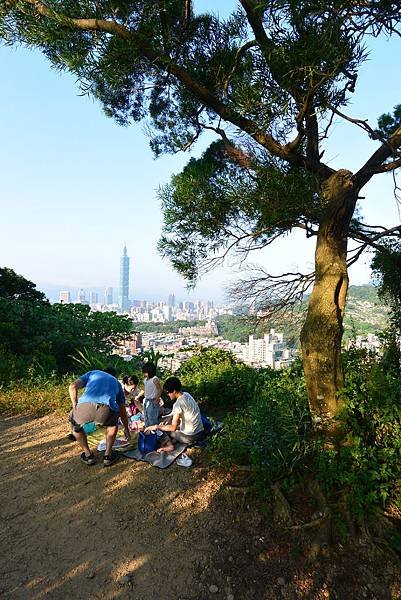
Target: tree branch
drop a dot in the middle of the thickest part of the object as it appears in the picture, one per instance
(377, 159)
(370, 240)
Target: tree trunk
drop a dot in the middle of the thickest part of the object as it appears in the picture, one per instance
(323, 328)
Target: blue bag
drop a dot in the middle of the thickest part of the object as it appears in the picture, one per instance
(147, 442)
(207, 424)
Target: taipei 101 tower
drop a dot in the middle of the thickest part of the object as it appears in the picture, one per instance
(123, 299)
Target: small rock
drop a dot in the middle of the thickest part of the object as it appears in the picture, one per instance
(213, 589)
(281, 581)
(230, 558)
(90, 575)
(126, 579)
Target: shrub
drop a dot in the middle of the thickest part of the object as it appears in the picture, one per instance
(367, 468)
(217, 380)
(272, 433)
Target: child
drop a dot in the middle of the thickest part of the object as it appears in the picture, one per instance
(152, 392)
(130, 388)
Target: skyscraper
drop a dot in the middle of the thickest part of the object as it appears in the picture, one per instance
(171, 300)
(123, 300)
(93, 297)
(108, 296)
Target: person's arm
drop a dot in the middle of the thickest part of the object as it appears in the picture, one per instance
(172, 427)
(123, 412)
(73, 391)
(138, 404)
(124, 420)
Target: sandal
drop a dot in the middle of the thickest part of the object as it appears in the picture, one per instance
(110, 459)
(88, 460)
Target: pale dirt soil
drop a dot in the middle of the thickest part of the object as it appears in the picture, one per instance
(136, 532)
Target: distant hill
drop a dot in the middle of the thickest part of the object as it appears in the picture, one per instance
(365, 312)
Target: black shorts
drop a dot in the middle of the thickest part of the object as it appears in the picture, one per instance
(88, 412)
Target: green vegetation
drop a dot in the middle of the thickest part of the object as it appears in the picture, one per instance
(171, 327)
(38, 340)
(217, 380)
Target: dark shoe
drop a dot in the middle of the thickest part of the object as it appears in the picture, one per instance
(110, 459)
(71, 437)
(88, 460)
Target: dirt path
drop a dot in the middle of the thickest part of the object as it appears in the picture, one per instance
(135, 532)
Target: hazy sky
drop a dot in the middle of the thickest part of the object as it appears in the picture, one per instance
(75, 186)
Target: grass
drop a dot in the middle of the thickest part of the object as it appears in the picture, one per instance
(38, 400)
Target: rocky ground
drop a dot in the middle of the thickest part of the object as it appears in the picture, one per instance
(135, 532)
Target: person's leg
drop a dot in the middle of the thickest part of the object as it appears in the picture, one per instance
(81, 414)
(166, 443)
(111, 423)
(111, 432)
(183, 438)
(151, 412)
(82, 440)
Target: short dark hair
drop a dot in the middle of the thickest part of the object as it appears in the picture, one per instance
(132, 380)
(172, 384)
(149, 368)
(110, 371)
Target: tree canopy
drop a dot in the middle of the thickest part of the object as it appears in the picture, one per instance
(16, 287)
(37, 337)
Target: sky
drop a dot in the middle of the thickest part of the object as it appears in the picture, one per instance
(76, 187)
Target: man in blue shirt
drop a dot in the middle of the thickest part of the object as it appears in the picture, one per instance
(102, 403)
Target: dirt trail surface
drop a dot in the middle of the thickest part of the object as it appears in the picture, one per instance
(132, 531)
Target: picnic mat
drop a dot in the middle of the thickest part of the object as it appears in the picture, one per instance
(162, 460)
(97, 440)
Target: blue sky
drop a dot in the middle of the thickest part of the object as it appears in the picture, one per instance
(75, 186)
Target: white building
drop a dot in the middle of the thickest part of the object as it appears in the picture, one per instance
(65, 297)
(269, 351)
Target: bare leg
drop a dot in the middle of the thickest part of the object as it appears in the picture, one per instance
(82, 440)
(111, 432)
(166, 446)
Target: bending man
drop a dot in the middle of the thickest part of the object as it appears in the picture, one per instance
(102, 403)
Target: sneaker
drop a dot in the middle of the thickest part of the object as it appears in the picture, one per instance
(88, 460)
(110, 459)
(184, 461)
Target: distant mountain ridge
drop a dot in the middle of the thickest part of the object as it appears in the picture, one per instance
(365, 312)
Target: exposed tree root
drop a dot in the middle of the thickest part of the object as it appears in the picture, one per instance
(309, 524)
(281, 507)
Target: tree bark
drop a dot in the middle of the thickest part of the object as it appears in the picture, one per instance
(323, 328)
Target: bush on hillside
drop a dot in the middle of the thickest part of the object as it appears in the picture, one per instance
(217, 380)
(273, 432)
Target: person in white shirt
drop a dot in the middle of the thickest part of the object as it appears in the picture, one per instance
(186, 425)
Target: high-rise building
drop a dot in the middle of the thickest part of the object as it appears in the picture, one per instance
(81, 297)
(108, 296)
(65, 297)
(123, 299)
(93, 298)
(171, 300)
